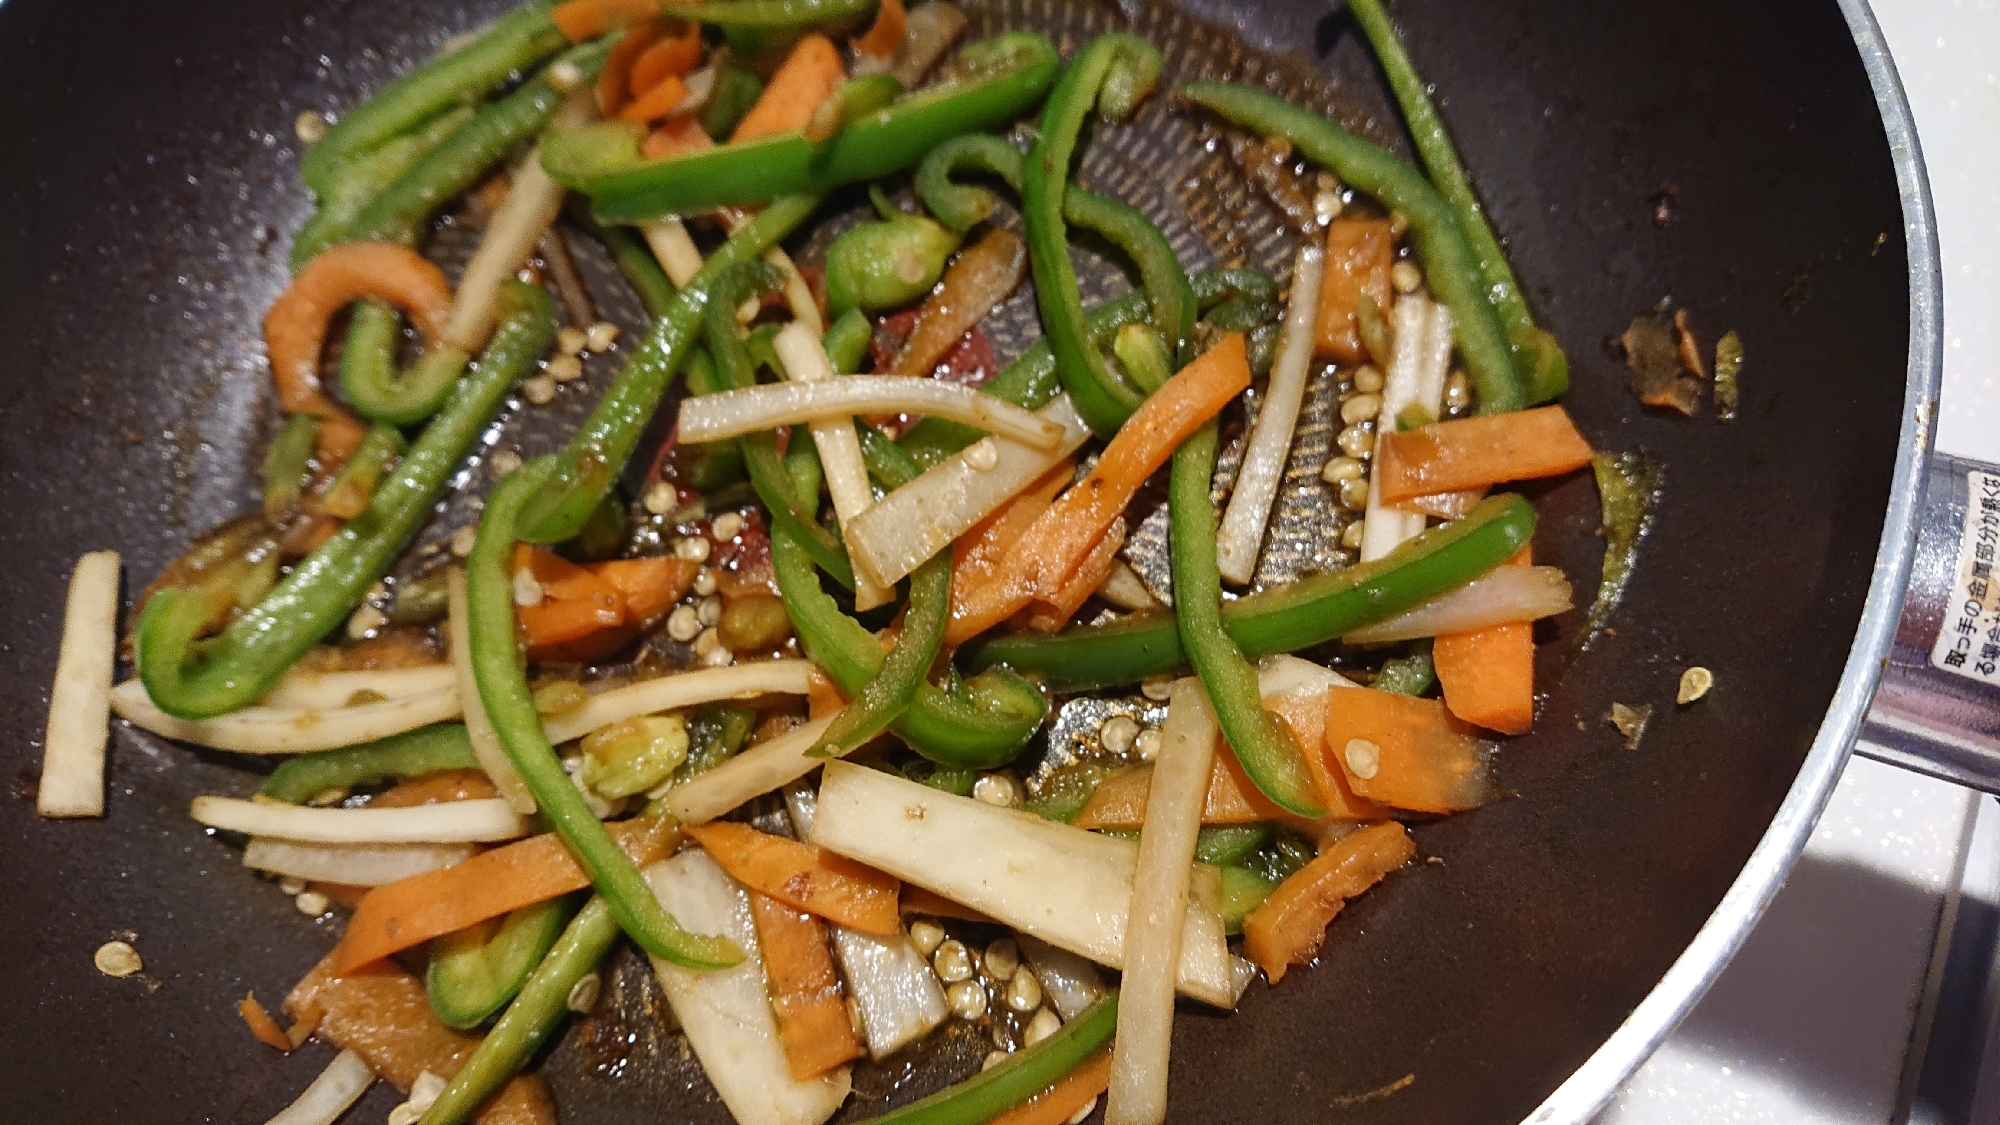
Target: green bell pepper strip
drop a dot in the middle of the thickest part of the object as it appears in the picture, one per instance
(1225, 845)
(199, 680)
(1450, 264)
(956, 782)
(882, 265)
(735, 91)
(514, 43)
(1166, 283)
(846, 343)
(503, 689)
(632, 256)
(1030, 381)
(1537, 356)
(362, 472)
(855, 99)
(474, 974)
(1408, 675)
(768, 15)
(1261, 741)
(597, 454)
(531, 1020)
(288, 464)
(760, 450)
(410, 754)
(885, 697)
(1243, 891)
(1020, 1076)
(370, 382)
(1311, 611)
(996, 81)
(1101, 398)
(362, 180)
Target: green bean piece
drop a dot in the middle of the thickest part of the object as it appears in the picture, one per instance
(476, 972)
(736, 90)
(1308, 612)
(1020, 1076)
(503, 689)
(198, 680)
(636, 261)
(1227, 844)
(348, 493)
(513, 44)
(1537, 356)
(531, 1019)
(414, 753)
(1408, 675)
(1450, 266)
(362, 179)
(593, 459)
(882, 265)
(1101, 399)
(1262, 742)
(884, 699)
(288, 465)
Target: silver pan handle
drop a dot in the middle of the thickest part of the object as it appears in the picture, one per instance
(1937, 710)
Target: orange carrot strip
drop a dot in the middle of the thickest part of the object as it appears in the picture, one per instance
(809, 74)
(1406, 752)
(672, 56)
(1065, 1097)
(803, 876)
(261, 1024)
(295, 326)
(917, 900)
(414, 910)
(886, 34)
(1050, 615)
(1488, 675)
(1044, 558)
(659, 101)
(823, 696)
(1288, 929)
(1471, 452)
(1359, 253)
(614, 82)
(1306, 715)
(676, 135)
(649, 586)
(303, 1027)
(575, 602)
(976, 556)
(436, 788)
(588, 19)
(805, 988)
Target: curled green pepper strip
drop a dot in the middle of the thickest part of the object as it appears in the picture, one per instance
(1262, 743)
(504, 691)
(597, 454)
(514, 43)
(1030, 381)
(362, 180)
(884, 699)
(1166, 283)
(410, 754)
(531, 1019)
(1537, 355)
(1450, 264)
(760, 450)
(993, 82)
(199, 680)
(1310, 611)
(370, 382)
(474, 974)
(1121, 68)
(288, 464)
(1020, 1076)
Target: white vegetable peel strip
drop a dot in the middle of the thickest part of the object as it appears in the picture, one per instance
(805, 360)
(339, 1086)
(752, 409)
(1385, 527)
(278, 730)
(1270, 444)
(671, 244)
(478, 728)
(1502, 596)
(356, 865)
(326, 691)
(481, 820)
(1138, 1089)
(904, 529)
(683, 689)
(73, 750)
(753, 773)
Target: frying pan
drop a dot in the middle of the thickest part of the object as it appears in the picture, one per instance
(149, 187)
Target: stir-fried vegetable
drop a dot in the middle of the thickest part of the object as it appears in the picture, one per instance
(72, 782)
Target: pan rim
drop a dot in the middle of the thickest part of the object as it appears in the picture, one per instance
(1589, 1089)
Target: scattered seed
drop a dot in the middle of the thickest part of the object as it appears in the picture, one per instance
(291, 884)
(709, 610)
(565, 369)
(1405, 276)
(570, 341)
(1357, 441)
(952, 961)
(365, 622)
(1350, 536)
(683, 624)
(1045, 1024)
(926, 936)
(601, 336)
(312, 904)
(704, 582)
(967, 999)
(1363, 757)
(310, 126)
(583, 994)
(1002, 958)
(1368, 379)
(1117, 733)
(1695, 683)
(1631, 722)
(463, 539)
(1361, 408)
(565, 76)
(527, 591)
(992, 1059)
(717, 658)
(1339, 469)
(538, 390)
(1160, 689)
(1082, 1115)
(661, 499)
(1458, 391)
(706, 641)
(982, 455)
(1327, 206)
(1354, 494)
(694, 549)
(998, 789)
(505, 461)
(117, 959)
(728, 525)
(1024, 992)
(1147, 745)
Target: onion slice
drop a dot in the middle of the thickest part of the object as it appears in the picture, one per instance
(1503, 596)
(286, 730)
(1138, 1090)
(759, 770)
(1270, 444)
(683, 689)
(339, 1086)
(478, 728)
(327, 691)
(750, 410)
(670, 242)
(356, 865)
(904, 529)
(73, 750)
(481, 820)
(805, 361)
(1415, 378)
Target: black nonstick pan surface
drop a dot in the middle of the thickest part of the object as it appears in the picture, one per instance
(1730, 156)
